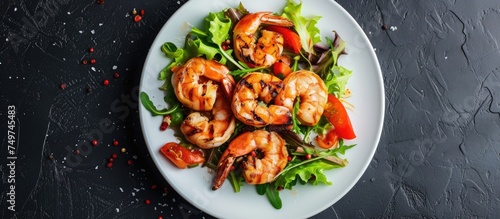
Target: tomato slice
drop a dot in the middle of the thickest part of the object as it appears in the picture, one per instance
(281, 68)
(292, 39)
(181, 156)
(328, 140)
(336, 113)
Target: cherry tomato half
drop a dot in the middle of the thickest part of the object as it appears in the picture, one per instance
(328, 140)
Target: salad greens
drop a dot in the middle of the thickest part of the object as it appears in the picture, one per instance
(272, 194)
(148, 104)
(306, 163)
(305, 27)
(321, 160)
(335, 76)
(219, 27)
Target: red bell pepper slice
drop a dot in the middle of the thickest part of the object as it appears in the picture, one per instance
(181, 156)
(336, 113)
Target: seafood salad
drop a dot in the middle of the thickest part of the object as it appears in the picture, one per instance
(259, 98)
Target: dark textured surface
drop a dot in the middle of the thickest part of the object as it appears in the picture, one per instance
(438, 155)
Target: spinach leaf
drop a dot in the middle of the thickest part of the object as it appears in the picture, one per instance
(274, 196)
(261, 189)
(236, 181)
(271, 193)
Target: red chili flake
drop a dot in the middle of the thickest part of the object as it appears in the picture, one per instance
(253, 154)
(116, 143)
(91, 49)
(160, 217)
(141, 12)
(114, 155)
(111, 160)
(289, 158)
(166, 121)
(51, 156)
(95, 142)
(280, 188)
(93, 61)
(85, 61)
(100, 2)
(147, 201)
(116, 75)
(308, 156)
(63, 86)
(153, 186)
(130, 162)
(137, 18)
(105, 82)
(163, 126)
(76, 151)
(232, 168)
(109, 165)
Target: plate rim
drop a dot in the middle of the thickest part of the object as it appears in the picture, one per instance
(357, 177)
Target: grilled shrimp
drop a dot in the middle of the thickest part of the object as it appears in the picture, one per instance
(312, 92)
(270, 159)
(268, 48)
(251, 89)
(196, 82)
(209, 130)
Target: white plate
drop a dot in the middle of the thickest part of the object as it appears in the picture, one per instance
(303, 201)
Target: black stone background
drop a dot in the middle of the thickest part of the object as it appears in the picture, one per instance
(438, 155)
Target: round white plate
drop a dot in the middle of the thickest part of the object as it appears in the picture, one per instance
(303, 201)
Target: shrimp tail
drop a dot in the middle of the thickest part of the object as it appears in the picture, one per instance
(228, 85)
(276, 20)
(281, 115)
(221, 74)
(223, 169)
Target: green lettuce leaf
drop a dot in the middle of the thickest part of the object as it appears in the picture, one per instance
(305, 27)
(218, 31)
(210, 52)
(219, 27)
